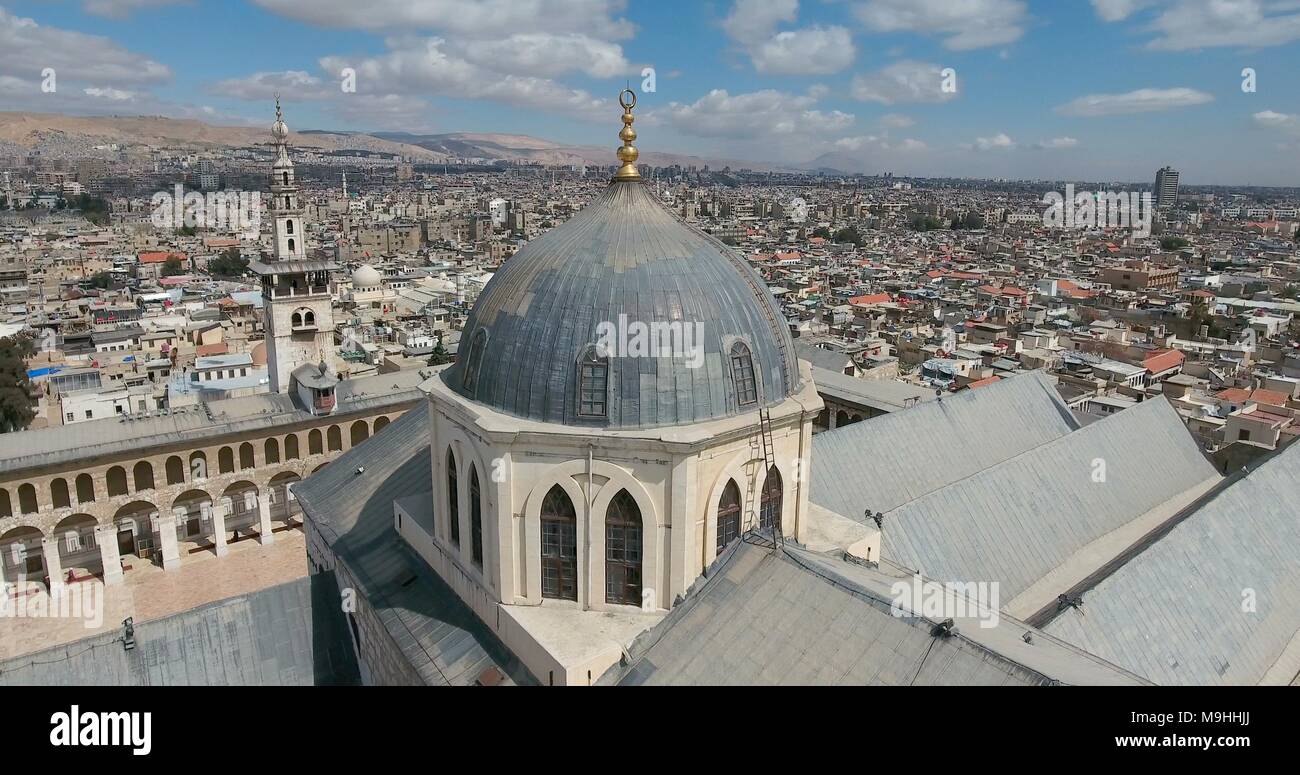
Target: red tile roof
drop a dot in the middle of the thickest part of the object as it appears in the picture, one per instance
(160, 258)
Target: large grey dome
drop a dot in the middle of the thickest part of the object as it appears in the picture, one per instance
(624, 255)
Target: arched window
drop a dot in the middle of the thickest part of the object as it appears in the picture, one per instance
(742, 375)
(198, 465)
(623, 550)
(116, 481)
(360, 432)
(559, 546)
(728, 515)
(174, 470)
(309, 318)
(27, 499)
(380, 423)
(85, 489)
(6, 507)
(291, 447)
(593, 384)
(334, 438)
(245, 456)
(143, 475)
(297, 319)
(289, 223)
(59, 494)
(314, 443)
(291, 247)
(453, 499)
(225, 460)
(272, 450)
(286, 181)
(475, 518)
(474, 359)
(769, 512)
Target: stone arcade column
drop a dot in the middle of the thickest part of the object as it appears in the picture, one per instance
(166, 527)
(264, 519)
(109, 556)
(53, 565)
(219, 529)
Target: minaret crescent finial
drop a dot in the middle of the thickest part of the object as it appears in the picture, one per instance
(627, 153)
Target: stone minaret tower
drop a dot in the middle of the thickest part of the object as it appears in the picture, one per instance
(298, 301)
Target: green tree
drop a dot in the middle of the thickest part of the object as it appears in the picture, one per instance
(1173, 243)
(440, 355)
(101, 280)
(228, 264)
(971, 220)
(822, 231)
(922, 222)
(173, 266)
(15, 388)
(92, 209)
(849, 235)
(1290, 292)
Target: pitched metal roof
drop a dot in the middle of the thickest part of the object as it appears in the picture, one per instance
(1018, 520)
(440, 636)
(887, 461)
(278, 636)
(1177, 613)
(795, 617)
(624, 260)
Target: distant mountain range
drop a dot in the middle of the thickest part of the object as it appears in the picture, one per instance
(44, 130)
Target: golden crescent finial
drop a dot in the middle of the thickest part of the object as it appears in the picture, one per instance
(627, 153)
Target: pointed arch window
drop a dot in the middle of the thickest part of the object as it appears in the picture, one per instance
(623, 550)
(473, 360)
(728, 515)
(559, 546)
(593, 384)
(289, 225)
(769, 512)
(286, 178)
(475, 518)
(742, 375)
(453, 499)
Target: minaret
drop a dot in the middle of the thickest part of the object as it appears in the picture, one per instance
(297, 298)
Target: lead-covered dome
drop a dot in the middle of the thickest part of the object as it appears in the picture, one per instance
(560, 332)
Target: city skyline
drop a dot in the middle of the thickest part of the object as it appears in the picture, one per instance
(994, 89)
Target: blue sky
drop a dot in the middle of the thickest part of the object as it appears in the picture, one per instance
(1057, 89)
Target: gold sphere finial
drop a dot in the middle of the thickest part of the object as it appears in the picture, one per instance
(627, 153)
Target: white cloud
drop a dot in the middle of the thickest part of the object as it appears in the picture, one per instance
(766, 113)
(426, 66)
(1181, 25)
(27, 48)
(1286, 122)
(298, 84)
(548, 54)
(815, 50)
(476, 18)
(904, 81)
(1139, 101)
(964, 24)
(116, 95)
(998, 142)
(877, 142)
(750, 21)
(385, 111)
(809, 51)
(120, 9)
(1118, 10)
(1056, 143)
(896, 121)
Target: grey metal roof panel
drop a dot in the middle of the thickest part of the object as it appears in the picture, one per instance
(888, 461)
(1014, 522)
(444, 642)
(751, 622)
(624, 255)
(272, 637)
(1175, 613)
(884, 394)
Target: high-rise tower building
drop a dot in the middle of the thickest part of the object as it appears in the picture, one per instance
(298, 302)
(1166, 187)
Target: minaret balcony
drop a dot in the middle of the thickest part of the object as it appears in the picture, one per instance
(291, 292)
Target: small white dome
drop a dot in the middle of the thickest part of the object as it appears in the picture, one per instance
(366, 277)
